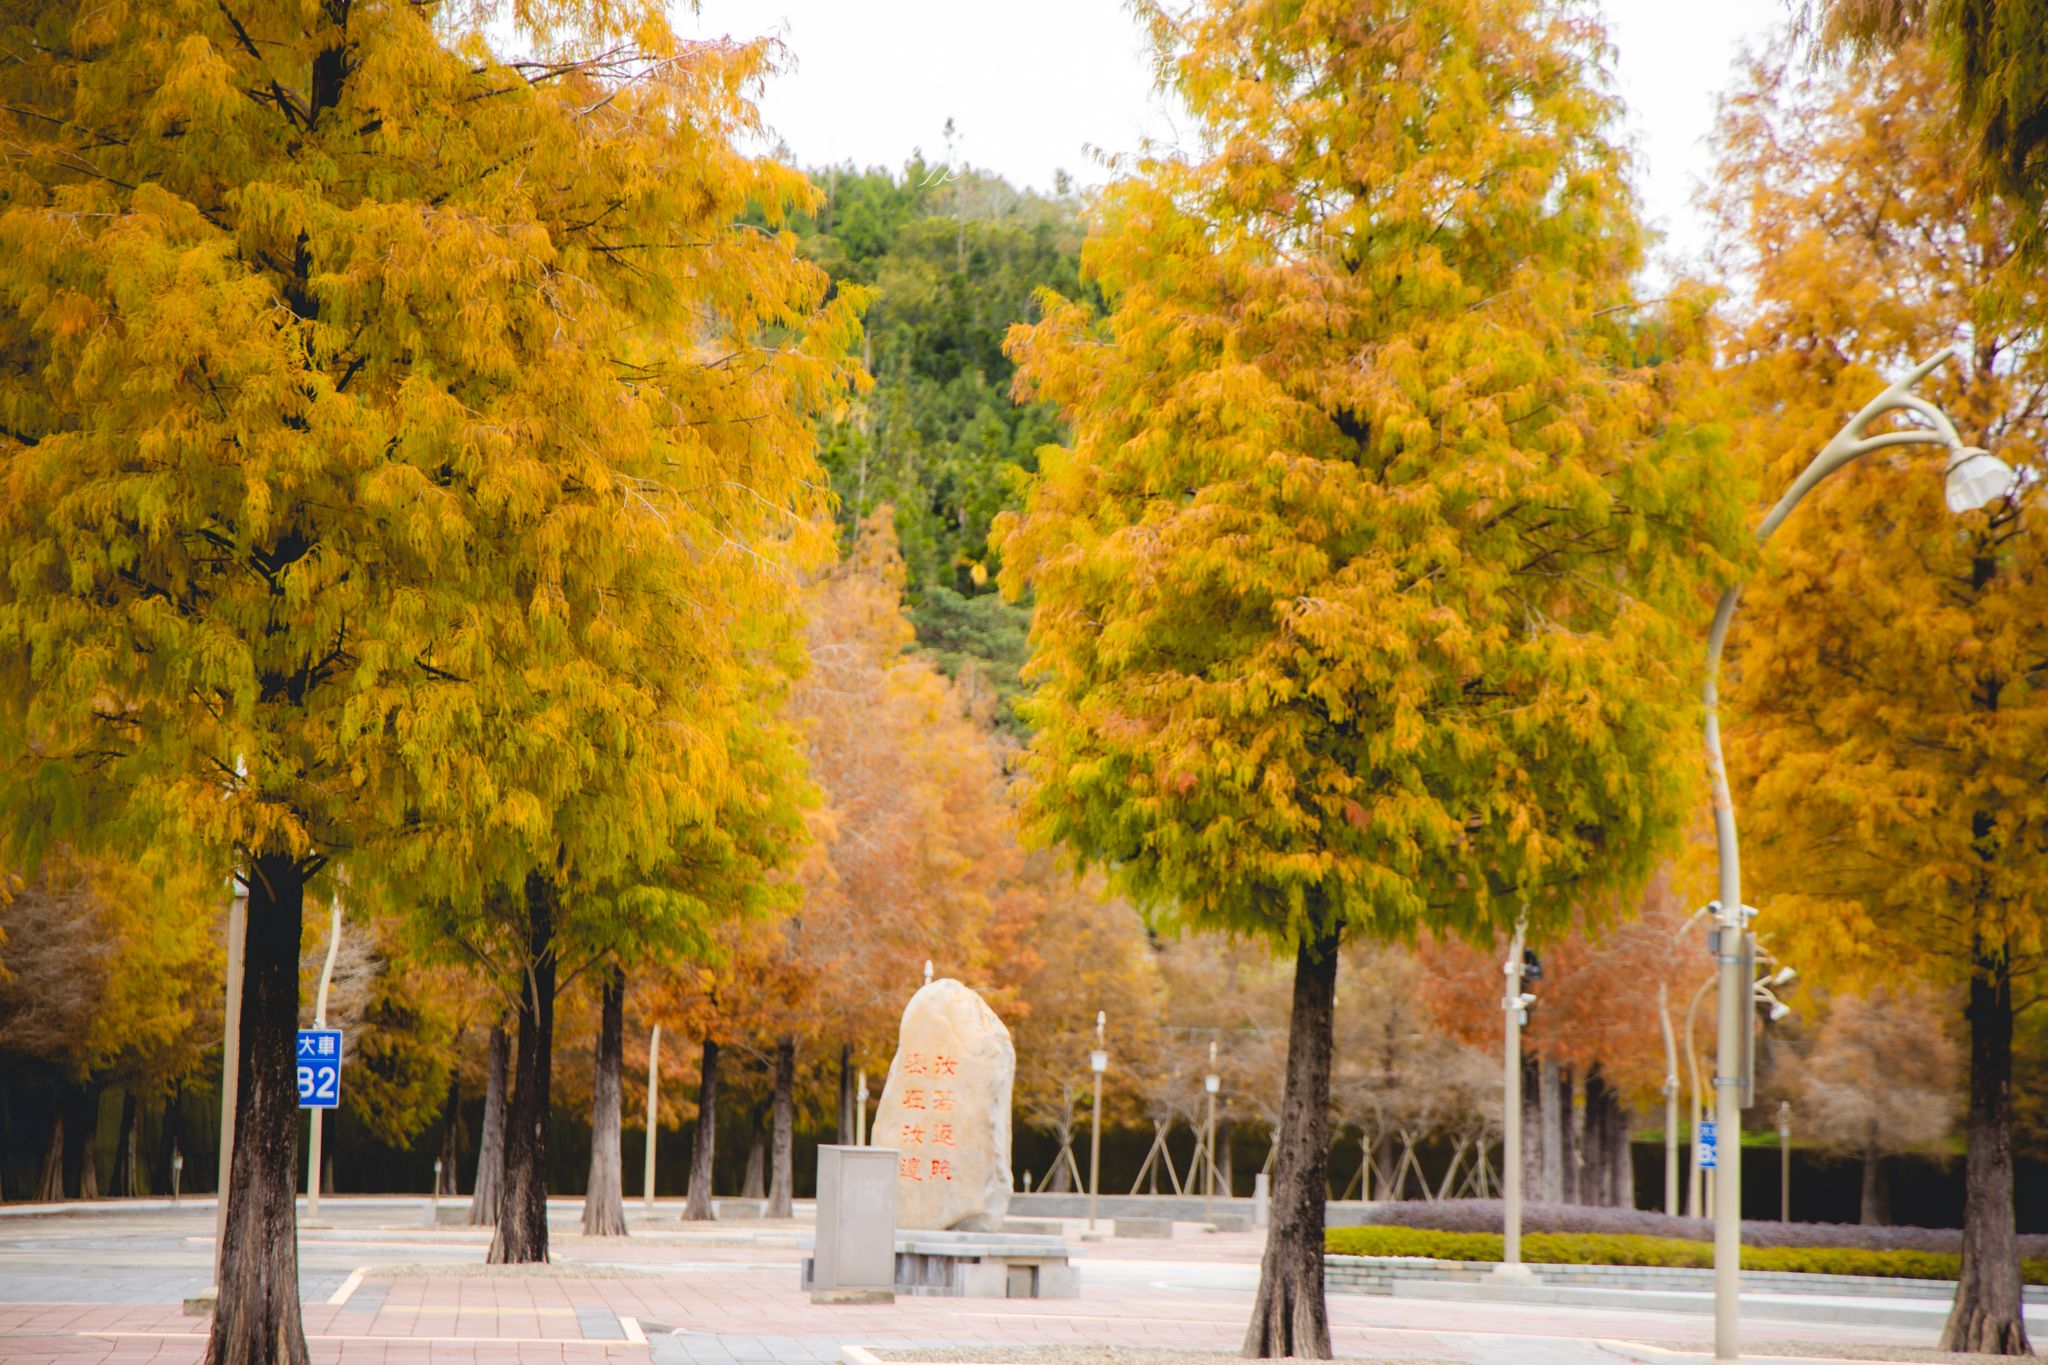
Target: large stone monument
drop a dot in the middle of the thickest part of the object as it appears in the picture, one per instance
(946, 1111)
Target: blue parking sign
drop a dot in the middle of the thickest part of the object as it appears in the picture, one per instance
(1709, 1143)
(319, 1068)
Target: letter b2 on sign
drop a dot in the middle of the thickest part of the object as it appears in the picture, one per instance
(319, 1068)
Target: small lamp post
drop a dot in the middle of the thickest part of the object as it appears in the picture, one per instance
(434, 1197)
(1098, 1062)
(1210, 1083)
(653, 1115)
(860, 1109)
(177, 1173)
(1784, 1161)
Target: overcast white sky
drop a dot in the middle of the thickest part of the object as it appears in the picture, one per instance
(873, 80)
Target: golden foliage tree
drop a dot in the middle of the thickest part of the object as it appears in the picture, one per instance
(386, 428)
(1892, 657)
(1364, 590)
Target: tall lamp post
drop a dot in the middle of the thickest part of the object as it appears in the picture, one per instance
(1514, 1006)
(1098, 1062)
(1974, 478)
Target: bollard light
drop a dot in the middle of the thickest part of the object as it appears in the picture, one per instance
(177, 1173)
(1098, 1062)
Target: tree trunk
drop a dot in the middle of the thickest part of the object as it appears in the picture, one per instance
(81, 1134)
(451, 1140)
(846, 1092)
(124, 1149)
(489, 1186)
(1226, 1178)
(754, 1184)
(1570, 1150)
(782, 1142)
(698, 1207)
(522, 1233)
(1986, 1316)
(1534, 1153)
(1875, 1208)
(50, 1182)
(604, 1195)
(1556, 1147)
(256, 1317)
(1289, 1316)
(1622, 1161)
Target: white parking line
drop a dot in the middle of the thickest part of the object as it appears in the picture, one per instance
(348, 1287)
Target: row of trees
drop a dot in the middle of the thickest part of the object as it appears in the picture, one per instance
(414, 491)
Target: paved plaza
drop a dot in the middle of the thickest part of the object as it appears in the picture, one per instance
(381, 1287)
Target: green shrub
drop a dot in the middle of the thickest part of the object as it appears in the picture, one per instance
(1563, 1248)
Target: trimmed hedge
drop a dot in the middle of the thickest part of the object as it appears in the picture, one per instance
(1627, 1249)
(1484, 1215)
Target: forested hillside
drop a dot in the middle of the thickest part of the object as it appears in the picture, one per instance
(955, 257)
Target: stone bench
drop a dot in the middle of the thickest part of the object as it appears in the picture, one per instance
(1144, 1227)
(979, 1265)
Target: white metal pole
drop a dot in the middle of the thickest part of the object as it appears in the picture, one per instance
(1670, 1104)
(860, 1109)
(320, 1021)
(230, 1069)
(653, 1115)
(1098, 1062)
(1511, 1109)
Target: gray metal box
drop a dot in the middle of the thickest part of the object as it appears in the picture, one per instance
(856, 1253)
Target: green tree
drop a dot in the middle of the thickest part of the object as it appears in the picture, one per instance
(955, 257)
(1366, 590)
(386, 433)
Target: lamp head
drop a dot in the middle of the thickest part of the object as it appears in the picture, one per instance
(1976, 478)
(1784, 976)
(1779, 1009)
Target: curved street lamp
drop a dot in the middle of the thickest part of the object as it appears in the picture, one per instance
(1973, 478)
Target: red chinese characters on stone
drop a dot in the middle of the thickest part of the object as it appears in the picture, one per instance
(941, 1099)
(913, 1134)
(914, 1099)
(910, 1168)
(914, 1063)
(942, 1135)
(941, 1170)
(945, 1066)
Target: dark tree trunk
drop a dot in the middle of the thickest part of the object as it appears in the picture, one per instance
(489, 1187)
(1621, 1160)
(451, 1140)
(754, 1184)
(1058, 1182)
(604, 1195)
(522, 1234)
(846, 1123)
(1289, 1316)
(698, 1207)
(50, 1181)
(1986, 1316)
(256, 1318)
(782, 1139)
(81, 1133)
(1227, 1176)
(124, 1150)
(1875, 1209)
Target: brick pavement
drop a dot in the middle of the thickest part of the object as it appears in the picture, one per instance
(702, 1298)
